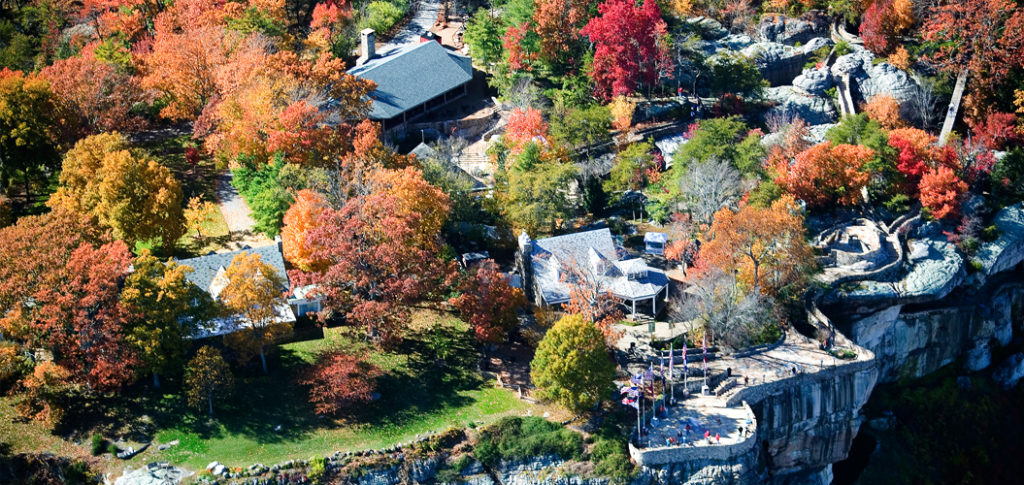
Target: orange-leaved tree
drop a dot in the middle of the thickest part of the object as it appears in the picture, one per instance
(764, 247)
(523, 127)
(100, 94)
(884, 109)
(942, 191)
(300, 218)
(826, 174)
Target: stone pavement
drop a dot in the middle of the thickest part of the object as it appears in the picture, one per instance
(796, 355)
(701, 413)
(422, 20)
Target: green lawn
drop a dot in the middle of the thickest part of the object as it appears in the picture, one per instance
(419, 395)
(199, 181)
(268, 419)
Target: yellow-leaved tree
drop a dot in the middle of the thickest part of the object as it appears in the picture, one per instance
(136, 197)
(198, 213)
(572, 366)
(207, 376)
(253, 291)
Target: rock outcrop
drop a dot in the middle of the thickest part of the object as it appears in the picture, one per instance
(1011, 371)
(793, 102)
(790, 31)
(780, 63)
(918, 342)
(872, 79)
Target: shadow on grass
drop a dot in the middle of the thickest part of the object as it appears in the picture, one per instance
(272, 408)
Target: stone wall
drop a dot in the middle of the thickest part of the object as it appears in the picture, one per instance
(676, 454)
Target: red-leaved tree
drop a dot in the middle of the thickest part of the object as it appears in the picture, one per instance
(629, 48)
(82, 320)
(339, 380)
(942, 191)
(995, 130)
(489, 303)
(984, 36)
(380, 253)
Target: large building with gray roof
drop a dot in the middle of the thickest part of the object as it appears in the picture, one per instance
(412, 79)
(552, 265)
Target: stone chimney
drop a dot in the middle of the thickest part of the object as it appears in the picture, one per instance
(366, 51)
(525, 244)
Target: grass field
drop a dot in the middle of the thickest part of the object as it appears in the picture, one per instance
(268, 419)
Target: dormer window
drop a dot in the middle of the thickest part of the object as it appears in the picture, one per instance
(637, 275)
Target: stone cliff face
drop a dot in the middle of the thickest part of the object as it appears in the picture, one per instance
(810, 423)
(913, 343)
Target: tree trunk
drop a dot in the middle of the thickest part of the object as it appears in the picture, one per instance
(28, 190)
(156, 380)
(263, 359)
(209, 399)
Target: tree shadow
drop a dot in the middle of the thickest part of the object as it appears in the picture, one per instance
(427, 384)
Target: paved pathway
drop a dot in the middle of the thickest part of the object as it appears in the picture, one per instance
(237, 216)
(422, 20)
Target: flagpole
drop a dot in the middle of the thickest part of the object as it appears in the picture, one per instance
(671, 375)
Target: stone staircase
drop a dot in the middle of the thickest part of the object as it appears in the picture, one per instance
(726, 386)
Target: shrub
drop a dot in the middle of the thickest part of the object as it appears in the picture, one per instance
(317, 470)
(381, 16)
(843, 48)
(97, 445)
(113, 449)
(611, 459)
(990, 233)
(516, 437)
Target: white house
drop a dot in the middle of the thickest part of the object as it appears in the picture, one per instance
(555, 261)
(208, 273)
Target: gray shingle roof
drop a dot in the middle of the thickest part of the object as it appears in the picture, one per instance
(587, 248)
(412, 74)
(204, 268)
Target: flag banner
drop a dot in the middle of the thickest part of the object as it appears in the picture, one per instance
(630, 402)
(650, 373)
(630, 391)
(671, 360)
(637, 379)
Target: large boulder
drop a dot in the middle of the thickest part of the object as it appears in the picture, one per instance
(780, 63)
(792, 102)
(814, 81)
(785, 30)
(709, 28)
(870, 79)
(1010, 371)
